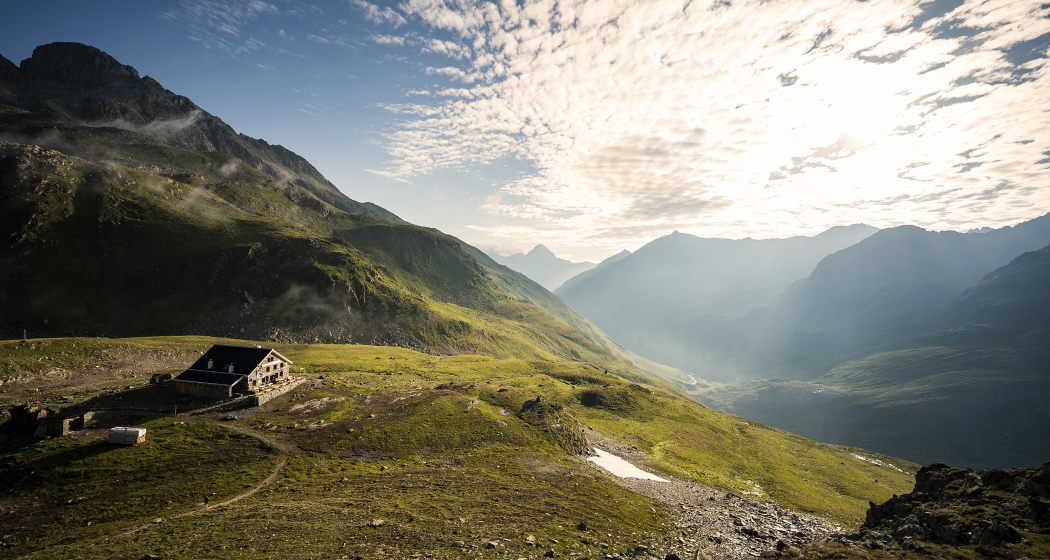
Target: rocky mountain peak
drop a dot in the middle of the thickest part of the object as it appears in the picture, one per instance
(85, 84)
(541, 251)
(75, 65)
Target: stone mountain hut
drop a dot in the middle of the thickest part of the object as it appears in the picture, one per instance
(227, 370)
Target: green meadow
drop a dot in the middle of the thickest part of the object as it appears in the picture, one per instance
(391, 452)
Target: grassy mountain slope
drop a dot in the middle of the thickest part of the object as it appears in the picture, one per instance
(127, 210)
(968, 385)
(442, 449)
(657, 299)
(1012, 300)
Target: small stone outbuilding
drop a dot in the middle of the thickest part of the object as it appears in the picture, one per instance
(45, 422)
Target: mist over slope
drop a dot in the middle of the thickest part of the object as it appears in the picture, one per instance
(125, 209)
(657, 299)
(543, 266)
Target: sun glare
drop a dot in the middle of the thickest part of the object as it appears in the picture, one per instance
(862, 101)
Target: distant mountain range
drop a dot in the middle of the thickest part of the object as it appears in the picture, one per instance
(583, 276)
(925, 345)
(858, 299)
(126, 209)
(543, 266)
(656, 300)
(967, 382)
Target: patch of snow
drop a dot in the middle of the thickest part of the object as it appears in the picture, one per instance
(878, 462)
(756, 490)
(619, 467)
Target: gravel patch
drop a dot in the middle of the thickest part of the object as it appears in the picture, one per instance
(710, 523)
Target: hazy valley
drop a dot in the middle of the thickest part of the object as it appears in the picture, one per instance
(889, 340)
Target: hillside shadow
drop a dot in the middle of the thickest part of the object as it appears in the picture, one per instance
(35, 471)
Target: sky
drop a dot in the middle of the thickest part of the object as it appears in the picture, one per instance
(597, 125)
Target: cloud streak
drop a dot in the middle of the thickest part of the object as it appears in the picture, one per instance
(162, 129)
(752, 118)
(220, 24)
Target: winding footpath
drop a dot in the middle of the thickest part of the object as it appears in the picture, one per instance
(282, 448)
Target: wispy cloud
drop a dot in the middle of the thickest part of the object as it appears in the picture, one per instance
(455, 73)
(385, 15)
(447, 48)
(750, 117)
(388, 39)
(221, 24)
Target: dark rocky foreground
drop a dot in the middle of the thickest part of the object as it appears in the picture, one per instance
(951, 513)
(995, 512)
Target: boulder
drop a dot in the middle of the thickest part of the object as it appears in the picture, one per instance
(907, 530)
(995, 533)
(1038, 512)
(946, 532)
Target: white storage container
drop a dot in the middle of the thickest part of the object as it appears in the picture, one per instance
(127, 436)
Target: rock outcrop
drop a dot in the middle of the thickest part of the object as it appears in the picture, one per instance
(562, 427)
(960, 507)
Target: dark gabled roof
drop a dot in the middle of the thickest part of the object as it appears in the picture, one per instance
(243, 358)
(212, 377)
